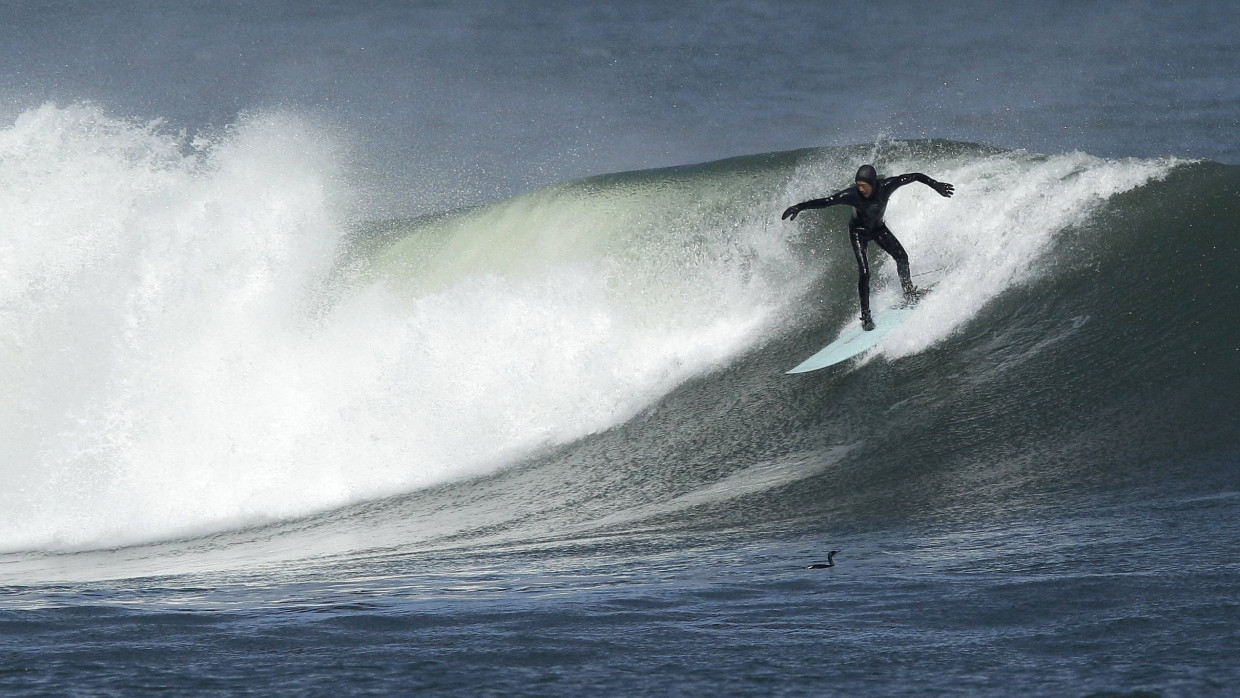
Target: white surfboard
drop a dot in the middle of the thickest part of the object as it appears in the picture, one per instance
(854, 340)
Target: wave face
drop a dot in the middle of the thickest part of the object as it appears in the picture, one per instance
(193, 343)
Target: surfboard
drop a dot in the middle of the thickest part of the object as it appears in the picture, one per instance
(854, 340)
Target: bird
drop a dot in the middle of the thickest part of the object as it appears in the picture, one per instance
(830, 562)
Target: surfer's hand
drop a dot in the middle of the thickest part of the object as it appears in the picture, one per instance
(944, 189)
(790, 213)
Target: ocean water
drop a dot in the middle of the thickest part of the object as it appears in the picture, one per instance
(439, 348)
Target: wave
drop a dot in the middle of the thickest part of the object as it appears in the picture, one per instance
(195, 342)
(189, 348)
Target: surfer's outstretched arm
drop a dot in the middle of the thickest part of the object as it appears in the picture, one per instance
(841, 197)
(943, 188)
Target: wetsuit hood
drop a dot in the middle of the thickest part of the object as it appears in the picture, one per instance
(867, 173)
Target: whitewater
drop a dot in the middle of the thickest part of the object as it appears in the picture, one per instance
(409, 349)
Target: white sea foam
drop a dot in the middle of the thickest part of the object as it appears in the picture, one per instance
(172, 364)
(141, 281)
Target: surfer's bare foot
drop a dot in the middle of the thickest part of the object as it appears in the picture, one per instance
(867, 322)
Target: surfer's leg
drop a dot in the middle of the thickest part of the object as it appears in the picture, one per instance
(859, 242)
(886, 240)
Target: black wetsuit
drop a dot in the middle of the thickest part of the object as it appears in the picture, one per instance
(867, 224)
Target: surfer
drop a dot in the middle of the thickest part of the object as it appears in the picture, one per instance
(868, 197)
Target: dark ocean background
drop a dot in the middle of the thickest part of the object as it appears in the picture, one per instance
(438, 348)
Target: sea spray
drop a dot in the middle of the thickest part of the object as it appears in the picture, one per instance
(178, 361)
(144, 281)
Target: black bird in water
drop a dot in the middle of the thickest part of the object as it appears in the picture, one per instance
(830, 562)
